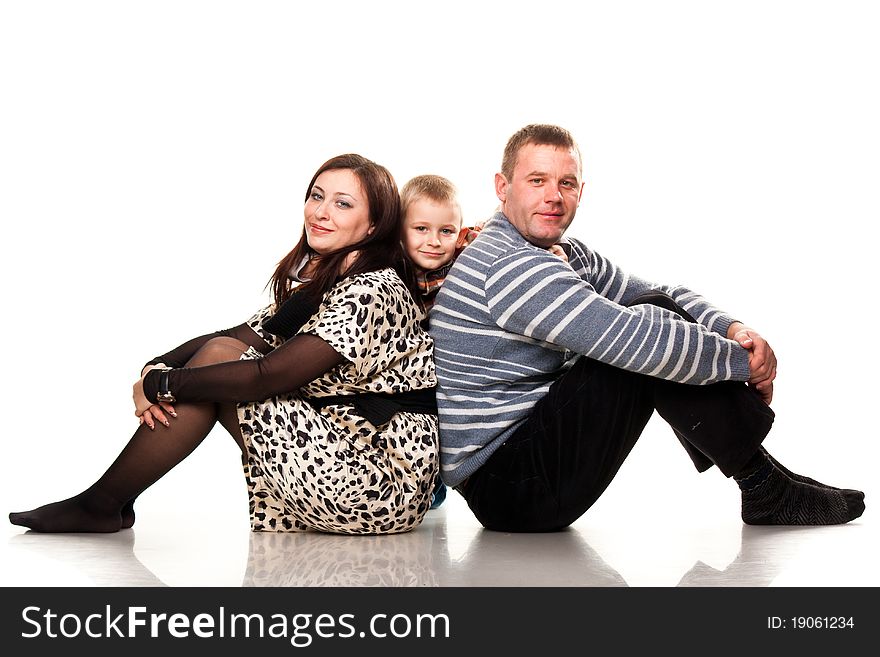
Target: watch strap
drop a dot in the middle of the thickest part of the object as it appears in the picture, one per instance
(164, 393)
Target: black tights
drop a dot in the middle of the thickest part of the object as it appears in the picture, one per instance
(106, 506)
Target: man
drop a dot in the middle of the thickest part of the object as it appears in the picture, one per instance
(549, 370)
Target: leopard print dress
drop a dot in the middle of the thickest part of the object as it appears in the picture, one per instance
(330, 470)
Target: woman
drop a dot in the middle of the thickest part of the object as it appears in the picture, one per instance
(329, 392)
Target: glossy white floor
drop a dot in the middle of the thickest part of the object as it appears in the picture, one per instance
(643, 532)
(149, 191)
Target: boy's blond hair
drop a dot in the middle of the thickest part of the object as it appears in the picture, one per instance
(434, 188)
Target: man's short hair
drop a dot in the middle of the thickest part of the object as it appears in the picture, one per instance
(539, 134)
(434, 188)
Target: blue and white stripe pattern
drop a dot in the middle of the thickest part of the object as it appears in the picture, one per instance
(511, 317)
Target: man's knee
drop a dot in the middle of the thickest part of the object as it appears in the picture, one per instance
(661, 300)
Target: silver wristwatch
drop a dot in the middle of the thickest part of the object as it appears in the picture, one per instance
(164, 394)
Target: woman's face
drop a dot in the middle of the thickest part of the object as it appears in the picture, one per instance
(337, 212)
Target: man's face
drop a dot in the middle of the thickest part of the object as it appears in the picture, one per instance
(544, 192)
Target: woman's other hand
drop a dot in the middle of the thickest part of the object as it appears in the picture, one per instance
(157, 412)
(147, 368)
(149, 412)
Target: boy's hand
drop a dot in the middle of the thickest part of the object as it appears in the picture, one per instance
(559, 252)
(468, 234)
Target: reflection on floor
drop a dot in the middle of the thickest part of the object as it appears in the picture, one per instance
(449, 549)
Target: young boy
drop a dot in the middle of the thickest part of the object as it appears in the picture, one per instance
(432, 236)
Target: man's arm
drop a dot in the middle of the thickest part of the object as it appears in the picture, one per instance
(532, 293)
(622, 287)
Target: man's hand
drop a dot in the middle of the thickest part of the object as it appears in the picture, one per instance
(762, 360)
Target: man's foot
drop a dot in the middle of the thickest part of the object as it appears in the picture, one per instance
(83, 513)
(801, 478)
(771, 497)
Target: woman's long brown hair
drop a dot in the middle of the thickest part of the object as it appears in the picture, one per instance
(378, 250)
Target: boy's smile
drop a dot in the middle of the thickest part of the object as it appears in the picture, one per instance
(430, 231)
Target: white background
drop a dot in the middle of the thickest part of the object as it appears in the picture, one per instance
(154, 157)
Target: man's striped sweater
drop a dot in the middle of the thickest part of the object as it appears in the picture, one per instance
(511, 318)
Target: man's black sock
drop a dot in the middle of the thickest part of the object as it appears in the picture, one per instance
(807, 480)
(771, 497)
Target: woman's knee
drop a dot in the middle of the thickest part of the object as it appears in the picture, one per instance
(218, 350)
(227, 415)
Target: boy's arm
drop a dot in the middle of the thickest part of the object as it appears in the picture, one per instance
(466, 235)
(559, 252)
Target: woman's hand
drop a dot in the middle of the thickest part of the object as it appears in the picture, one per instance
(152, 367)
(157, 412)
(147, 411)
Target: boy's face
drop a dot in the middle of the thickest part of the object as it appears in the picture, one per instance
(430, 231)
